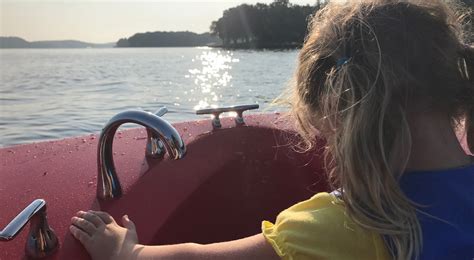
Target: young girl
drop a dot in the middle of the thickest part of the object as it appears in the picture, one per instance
(387, 83)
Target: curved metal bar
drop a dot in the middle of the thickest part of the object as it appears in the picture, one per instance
(41, 240)
(108, 185)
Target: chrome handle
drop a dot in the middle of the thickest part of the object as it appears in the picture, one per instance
(239, 120)
(155, 148)
(41, 240)
(108, 185)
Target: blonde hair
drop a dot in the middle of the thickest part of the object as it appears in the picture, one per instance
(363, 66)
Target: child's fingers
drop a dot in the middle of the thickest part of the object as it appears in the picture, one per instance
(85, 225)
(79, 234)
(127, 223)
(93, 218)
(106, 218)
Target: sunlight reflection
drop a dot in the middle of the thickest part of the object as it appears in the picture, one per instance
(210, 78)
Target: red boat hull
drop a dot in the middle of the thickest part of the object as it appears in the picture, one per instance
(230, 180)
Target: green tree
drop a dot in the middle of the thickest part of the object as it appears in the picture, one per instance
(279, 24)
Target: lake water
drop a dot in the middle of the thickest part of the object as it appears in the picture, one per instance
(48, 94)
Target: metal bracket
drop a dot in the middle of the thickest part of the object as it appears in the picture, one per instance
(216, 122)
(41, 240)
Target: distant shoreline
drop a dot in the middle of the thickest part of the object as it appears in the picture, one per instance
(168, 39)
(164, 47)
(146, 40)
(19, 43)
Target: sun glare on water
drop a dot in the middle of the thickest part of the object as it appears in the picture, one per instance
(210, 78)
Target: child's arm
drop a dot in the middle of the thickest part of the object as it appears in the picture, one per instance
(254, 247)
(103, 238)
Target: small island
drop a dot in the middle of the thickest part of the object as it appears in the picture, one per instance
(169, 39)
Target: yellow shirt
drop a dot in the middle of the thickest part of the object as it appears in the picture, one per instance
(318, 228)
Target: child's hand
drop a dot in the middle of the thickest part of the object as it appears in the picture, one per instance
(102, 237)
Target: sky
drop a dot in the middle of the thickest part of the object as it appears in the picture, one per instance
(104, 21)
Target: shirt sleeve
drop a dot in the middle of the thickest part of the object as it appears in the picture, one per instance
(318, 228)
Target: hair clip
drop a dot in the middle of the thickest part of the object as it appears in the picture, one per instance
(342, 61)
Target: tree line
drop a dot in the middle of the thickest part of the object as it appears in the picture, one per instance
(277, 25)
